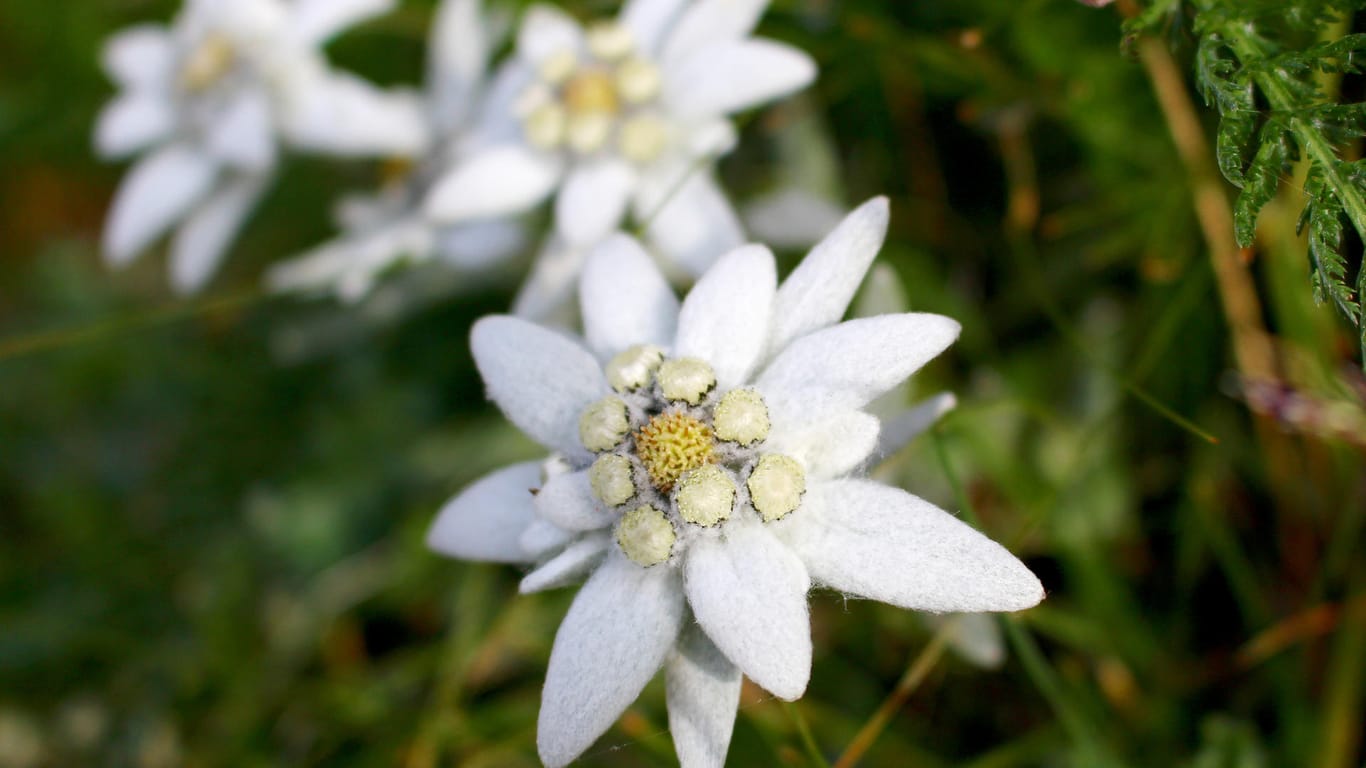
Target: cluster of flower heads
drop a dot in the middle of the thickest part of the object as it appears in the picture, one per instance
(621, 118)
(707, 457)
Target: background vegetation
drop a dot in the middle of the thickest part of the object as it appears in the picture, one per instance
(211, 512)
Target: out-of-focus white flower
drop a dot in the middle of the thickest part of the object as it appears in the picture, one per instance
(626, 114)
(211, 98)
(704, 476)
(383, 229)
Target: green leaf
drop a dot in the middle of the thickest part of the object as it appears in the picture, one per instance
(1263, 178)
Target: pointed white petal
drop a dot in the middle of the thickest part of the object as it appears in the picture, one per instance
(593, 199)
(157, 192)
(881, 292)
(496, 122)
(316, 21)
(244, 135)
(723, 78)
(141, 58)
(625, 299)
(540, 379)
(867, 539)
(724, 319)
(975, 637)
(819, 290)
(615, 637)
(748, 592)
(899, 430)
(792, 218)
(131, 123)
(648, 21)
(703, 693)
(541, 538)
(486, 520)
(707, 22)
(569, 566)
(691, 223)
(568, 501)
(200, 243)
(847, 365)
(546, 31)
(341, 114)
(481, 243)
(547, 293)
(829, 447)
(499, 181)
(458, 57)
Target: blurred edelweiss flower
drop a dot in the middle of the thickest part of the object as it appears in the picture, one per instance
(211, 97)
(382, 229)
(704, 477)
(618, 116)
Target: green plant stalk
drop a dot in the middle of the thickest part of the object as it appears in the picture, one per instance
(1072, 715)
(813, 749)
(1341, 734)
(915, 673)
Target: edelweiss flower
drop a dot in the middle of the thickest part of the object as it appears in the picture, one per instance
(211, 97)
(702, 474)
(383, 229)
(620, 115)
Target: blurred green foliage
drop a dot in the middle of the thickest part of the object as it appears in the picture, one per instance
(211, 514)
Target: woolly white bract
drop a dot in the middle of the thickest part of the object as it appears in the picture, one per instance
(704, 477)
(618, 116)
(211, 98)
(382, 229)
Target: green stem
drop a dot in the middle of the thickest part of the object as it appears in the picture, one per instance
(813, 750)
(1070, 713)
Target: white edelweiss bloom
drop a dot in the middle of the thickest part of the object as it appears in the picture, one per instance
(211, 98)
(621, 116)
(389, 227)
(704, 478)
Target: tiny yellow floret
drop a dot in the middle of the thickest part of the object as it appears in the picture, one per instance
(687, 379)
(557, 67)
(741, 417)
(588, 133)
(634, 368)
(208, 63)
(671, 444)
(776, 486)
(646, 536)
(609, 41)
(610, 478)
(591, 92)
(638, 81)
(642, 139)
(705, 495)
(603, 424)
(546, 125)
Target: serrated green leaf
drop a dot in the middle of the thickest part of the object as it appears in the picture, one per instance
(1260, 184)
(1236, 132)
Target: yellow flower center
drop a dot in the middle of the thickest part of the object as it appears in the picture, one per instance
(591, 92)
(672, 444)
(208, 63)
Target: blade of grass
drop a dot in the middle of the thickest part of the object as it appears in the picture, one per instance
(1074, 718)
(916, 671)
(20, 346)
(813, 750)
